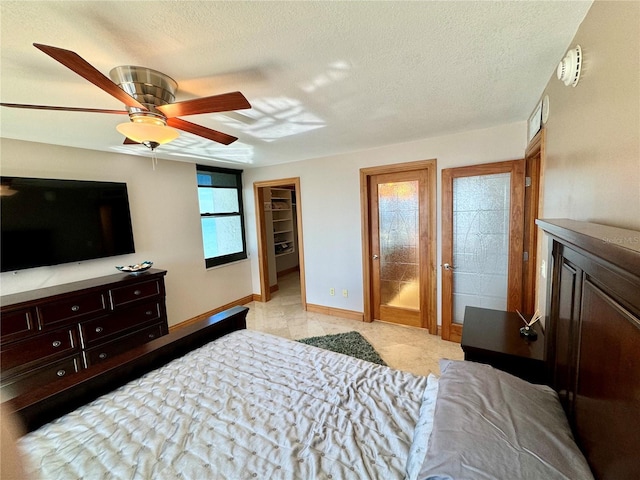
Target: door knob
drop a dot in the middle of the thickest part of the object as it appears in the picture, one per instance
(375, 257)
(448, 267)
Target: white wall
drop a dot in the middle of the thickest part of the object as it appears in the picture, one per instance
(592, 165)
(592, 169)
(165, 218)
(331, 211)
(164, 209)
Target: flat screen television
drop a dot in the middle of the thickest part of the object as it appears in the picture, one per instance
(50, 222)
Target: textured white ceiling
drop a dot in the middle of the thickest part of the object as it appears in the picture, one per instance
(323, 77)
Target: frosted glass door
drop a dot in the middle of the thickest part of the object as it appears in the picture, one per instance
(399, 246)
(482, 239)
(481, 211)
(399, 210)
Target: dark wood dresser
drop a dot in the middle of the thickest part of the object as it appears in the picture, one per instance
(54, 332)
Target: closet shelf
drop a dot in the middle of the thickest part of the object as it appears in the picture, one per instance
(282, 221)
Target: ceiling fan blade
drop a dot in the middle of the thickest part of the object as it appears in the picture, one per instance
(63, 109)
(128, 141)
(80, 66)
(201, 131)
(216, 103)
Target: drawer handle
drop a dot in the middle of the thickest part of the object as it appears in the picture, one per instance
(149, 312)
(102, 356)
(152, 335)
(75, 308)
(137, 292)
(99, 329)
(56, 343)
(61, 373)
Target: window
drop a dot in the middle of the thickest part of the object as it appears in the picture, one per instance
(221, 215)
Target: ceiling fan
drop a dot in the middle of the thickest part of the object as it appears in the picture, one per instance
(149, 97)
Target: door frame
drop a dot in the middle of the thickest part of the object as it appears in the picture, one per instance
(451, 331)
(534, 162)
(428, 274)
(263, 258)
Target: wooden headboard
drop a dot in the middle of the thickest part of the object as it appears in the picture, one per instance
(593, 340)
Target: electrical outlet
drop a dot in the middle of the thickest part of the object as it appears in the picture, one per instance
(345, 293)
(332, 291)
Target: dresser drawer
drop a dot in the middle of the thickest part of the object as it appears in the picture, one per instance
(72, 308)
(132, 293)
(96, 330)
(41, 376)
(17, 324)
(20, 354)
(95, 355)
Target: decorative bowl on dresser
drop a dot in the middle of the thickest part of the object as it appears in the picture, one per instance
(54, 332)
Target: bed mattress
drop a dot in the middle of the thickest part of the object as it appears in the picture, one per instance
(249, 405)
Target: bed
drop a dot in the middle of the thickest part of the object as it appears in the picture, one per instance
(214, 400)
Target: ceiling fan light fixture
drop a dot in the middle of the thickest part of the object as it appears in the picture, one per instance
(148, 130)
(149, 98)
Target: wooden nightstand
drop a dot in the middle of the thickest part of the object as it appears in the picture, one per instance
(493, 337)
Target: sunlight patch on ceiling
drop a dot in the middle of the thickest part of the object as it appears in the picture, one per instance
(191, 156)
(192, 147)
(272, 118)
(335, 72)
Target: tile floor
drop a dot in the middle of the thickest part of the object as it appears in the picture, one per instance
(404, 348)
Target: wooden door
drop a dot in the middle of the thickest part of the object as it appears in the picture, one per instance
(482, 236)
(398, 245)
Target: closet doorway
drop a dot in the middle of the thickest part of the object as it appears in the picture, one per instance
(279, 225)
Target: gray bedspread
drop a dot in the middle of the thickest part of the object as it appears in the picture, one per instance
(489, 425)
(249, 405)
